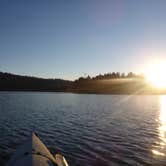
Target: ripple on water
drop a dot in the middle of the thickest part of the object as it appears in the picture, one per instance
(89, 130)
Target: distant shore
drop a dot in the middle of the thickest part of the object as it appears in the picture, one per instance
(128, 86)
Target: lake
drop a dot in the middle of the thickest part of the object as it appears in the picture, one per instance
(89, 130)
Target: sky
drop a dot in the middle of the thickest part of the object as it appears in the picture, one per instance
(68, 39)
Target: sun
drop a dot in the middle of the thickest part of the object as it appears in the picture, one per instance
(156, 74)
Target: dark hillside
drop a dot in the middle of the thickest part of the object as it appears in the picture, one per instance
(25, 83)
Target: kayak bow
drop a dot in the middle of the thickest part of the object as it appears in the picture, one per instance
(34, 153)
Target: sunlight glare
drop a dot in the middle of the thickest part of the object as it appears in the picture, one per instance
(160, 151)
(155, 74)
(162, 128)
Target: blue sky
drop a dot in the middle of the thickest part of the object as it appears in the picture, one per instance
(67, 39)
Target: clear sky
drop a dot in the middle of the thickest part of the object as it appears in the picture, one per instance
(70, 38)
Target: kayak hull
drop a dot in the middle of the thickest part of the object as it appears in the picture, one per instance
(32, 153)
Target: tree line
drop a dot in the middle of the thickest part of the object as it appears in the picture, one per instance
(111, 75)
(13, 82)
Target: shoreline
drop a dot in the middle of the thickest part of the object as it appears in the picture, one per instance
(113, 86)
(82, 93)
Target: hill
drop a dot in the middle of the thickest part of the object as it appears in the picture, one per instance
(12, 82)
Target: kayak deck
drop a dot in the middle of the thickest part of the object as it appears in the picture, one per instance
(33, 153)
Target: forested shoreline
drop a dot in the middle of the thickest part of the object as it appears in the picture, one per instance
(110, 83)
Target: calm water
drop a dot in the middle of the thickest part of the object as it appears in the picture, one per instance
(90, 130)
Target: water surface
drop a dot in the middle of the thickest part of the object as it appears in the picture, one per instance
(91, 130)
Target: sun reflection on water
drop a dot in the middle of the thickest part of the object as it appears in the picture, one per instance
(160, 150)
(162, 118)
